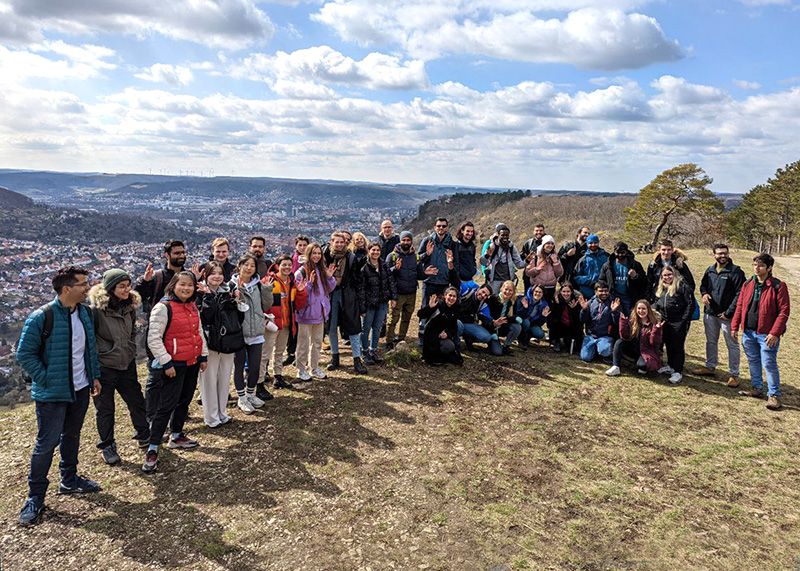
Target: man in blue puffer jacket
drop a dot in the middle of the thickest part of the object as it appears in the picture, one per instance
(65, 371)
(588, 269)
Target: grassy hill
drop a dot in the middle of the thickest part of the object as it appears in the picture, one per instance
(535, 461)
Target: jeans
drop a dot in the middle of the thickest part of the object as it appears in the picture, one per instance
(127, 385)
(534, 331)
(373, 321)
(474, 332)
(59, 424)
(594, 345)
(333, 329)
(760, 355)
(712, 325)
(510, 331)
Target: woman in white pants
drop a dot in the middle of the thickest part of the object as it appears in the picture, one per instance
(221, 316)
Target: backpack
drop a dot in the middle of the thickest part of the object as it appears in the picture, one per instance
(47, 329)
(225, 334)
(147, 304)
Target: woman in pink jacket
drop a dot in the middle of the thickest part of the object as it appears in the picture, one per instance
(545, 268)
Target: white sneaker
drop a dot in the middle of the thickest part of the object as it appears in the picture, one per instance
(666, 370)
(613, 371)
(642, 371)
(675, 378)
(245, 406)
(303, 375)
(255, 401)
(318, 373)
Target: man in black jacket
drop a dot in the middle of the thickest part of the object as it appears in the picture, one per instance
(387, 238)
(625, 277)
(667, 255)
(529, 248)
(151, 286)
(571, 252)
(720, 287)
(404, 265)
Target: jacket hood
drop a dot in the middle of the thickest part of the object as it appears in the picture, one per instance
(399, 250)
(99, 297)
(630, 256)
(678, 254)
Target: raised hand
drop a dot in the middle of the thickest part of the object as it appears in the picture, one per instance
(197, 271)
(525, 302)
(236, 294)
(433, 300)
(449, 254)
(659, 325)
(267, 280)
(300, 284)
(572, 302)
(431, 271)
(632, 274)
(529, 257)
(202, 288)
(312, 277)
(546, 311)
(429, 248)
(616, 304)
(148, 272)
(330, 270)
(571, 252)
(398, 264)
(583, 301)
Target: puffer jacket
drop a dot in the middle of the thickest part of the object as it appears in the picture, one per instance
(543, 271)
(259, 299)
(376, 286)
(175, 335)
(286, 300)
(317, 308)
(649, 342)
(115, 329)
(51, 368)
(676, 309)
(406, 278)
(441, 318)
(533, 313)
(654, 268)
(587, 271)
(467, 265)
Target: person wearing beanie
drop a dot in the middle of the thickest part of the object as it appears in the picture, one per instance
(114, 305)
(544, 268)
(406, 271)
(625, 277)
(587, 270)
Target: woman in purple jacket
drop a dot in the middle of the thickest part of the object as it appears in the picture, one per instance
(311, 319)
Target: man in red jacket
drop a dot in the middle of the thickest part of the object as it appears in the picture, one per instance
(762, 311)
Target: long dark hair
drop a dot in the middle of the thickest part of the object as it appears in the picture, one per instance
(460, 233)
(169, 291)
(319, 267)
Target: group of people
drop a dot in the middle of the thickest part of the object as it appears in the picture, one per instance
(219, 319)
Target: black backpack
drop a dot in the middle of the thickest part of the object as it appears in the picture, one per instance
(47, 329)
(224, 333)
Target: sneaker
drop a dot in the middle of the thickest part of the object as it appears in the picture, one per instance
(376, 356)
(613, 371)
(666, 370)
(288, 360)
(31, 512)
(255, 401)
(262, 392)
(368, 360)
(642, 371)
(80, 485)
(225, 420)
(110, 455)
(359, 367)
(703, 372)
(183, 442)
(303, 375)
(334, 364)
(675, 378)
(733, 382)
(150, 462)
(318, 373)
(144, 443)
(557, 347)
(754, 393)
(281, 383)
(245, 406)
(774, 403)
(506, 350)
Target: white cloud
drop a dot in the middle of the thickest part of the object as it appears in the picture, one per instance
(77, 62)
(166, 73)
(766, 2)
(229, 24)
(744, 84)
(587, 37)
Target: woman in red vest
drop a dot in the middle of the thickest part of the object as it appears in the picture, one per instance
(176, 340)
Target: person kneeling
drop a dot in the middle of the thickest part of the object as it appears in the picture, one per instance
(440, 341)
(639, 339)
(601, 317)
(534, 310)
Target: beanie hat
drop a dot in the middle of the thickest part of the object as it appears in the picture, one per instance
(500, 227)
(621, 247)
(406, 234)
(593, 239)
(112, 277)
(546, 239)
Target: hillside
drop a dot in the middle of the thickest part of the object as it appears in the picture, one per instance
(529, 462)
(22, 219)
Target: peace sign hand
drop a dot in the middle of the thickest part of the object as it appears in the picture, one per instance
(148, 272)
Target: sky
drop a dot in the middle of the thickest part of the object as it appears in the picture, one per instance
(545, 94)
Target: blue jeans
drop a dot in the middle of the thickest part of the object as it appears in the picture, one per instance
(333, 331)
(474, 332)
(59, 425)
(373, 321)
(534, 331)
(760, 355)
(594, 345)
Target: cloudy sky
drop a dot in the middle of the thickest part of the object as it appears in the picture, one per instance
(505, 93)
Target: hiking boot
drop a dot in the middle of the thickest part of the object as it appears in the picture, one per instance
(359, 367)
(733, 382)
(376, 356)
(368, 359)
(79, 485)
(506, 350)
(773, 403)
(183, 442)
(613, 371)
(31, 511)
(245, 406)
(150, 462)
(262, 392)
(754, 393)
(318, 373)
(280, 383)
(254, 400)
(557, 347)
(334, 364)
(288, 360)
(110, 455)
(703, 372)
(675, 378)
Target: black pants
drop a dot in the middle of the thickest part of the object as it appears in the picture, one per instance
(565, 335)
(291, 346)
(427, 291)
(628, 348)
(675, 343)
(126, 383)
(173, 396)
(252, 354)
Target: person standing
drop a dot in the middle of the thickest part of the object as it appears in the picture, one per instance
(114, 307)
(675, 303)
(762, 311)
(151, 286)
(466, 249)
(544, 268)
(587, 271)
(220, 253)
(257, 248)
(501, 259)
(625, 277)
(376, 289)
(63, 365)
(299, 255)
(720, 287)
(439, 256)
(529, 250)
(406, 270)
(387, 239)
(571, 252)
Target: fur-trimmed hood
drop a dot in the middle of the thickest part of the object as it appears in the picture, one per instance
(678, 255)
(98, 297)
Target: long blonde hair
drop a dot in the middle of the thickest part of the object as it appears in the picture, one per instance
(673, 287)
(353, 246)
(636, 322)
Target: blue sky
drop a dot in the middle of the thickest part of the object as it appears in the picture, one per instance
(504, 93)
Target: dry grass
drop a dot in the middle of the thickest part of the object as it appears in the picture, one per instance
(536, 461)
